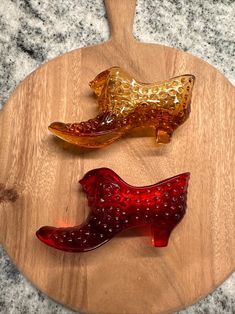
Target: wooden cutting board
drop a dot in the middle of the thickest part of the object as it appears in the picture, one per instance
(39, 176)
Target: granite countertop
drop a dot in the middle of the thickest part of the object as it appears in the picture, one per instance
(34, 31)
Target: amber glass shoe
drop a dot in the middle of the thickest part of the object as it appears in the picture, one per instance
(125, 104)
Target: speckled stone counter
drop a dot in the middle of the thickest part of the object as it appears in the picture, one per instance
(34, 31)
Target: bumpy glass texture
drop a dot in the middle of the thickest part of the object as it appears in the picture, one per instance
(125, 104)
(116, 206)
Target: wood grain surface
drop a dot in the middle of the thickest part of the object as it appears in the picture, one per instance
(127, 275)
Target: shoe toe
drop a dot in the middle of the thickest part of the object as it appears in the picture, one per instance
(58, 126)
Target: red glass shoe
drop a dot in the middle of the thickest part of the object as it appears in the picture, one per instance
(116, 205)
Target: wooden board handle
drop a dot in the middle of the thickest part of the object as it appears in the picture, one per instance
(120, 16)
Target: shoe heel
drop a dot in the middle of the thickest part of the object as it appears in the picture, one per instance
(160, 235)
(163, 136)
